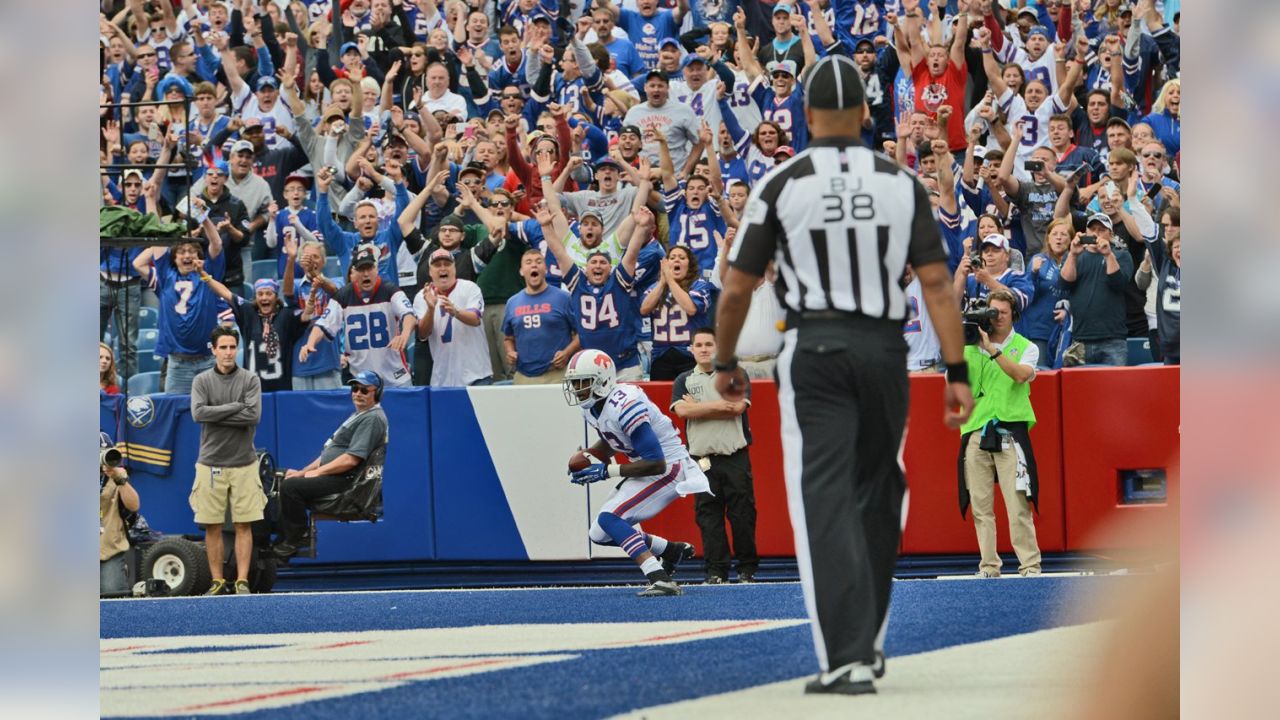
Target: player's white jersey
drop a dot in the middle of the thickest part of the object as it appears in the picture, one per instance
(368, 324)
(625, 410)
(1035, 125)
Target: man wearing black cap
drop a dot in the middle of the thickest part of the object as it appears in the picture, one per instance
(877, 71)
(841, 222)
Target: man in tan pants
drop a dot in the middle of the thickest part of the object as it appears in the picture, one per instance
(994, 445)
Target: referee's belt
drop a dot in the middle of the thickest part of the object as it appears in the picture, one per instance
(798, 318)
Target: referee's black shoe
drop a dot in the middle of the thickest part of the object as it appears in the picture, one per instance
(852, 679)
(877, 667)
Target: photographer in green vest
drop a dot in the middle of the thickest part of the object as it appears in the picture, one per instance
(995, 447)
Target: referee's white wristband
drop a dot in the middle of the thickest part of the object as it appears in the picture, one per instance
(615, 470)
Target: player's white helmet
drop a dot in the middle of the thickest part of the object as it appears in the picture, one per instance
(589, 376)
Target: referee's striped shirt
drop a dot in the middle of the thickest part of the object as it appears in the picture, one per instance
(841, 221)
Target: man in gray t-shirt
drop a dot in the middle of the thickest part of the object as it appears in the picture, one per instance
(675, 121)
(611, 202)
(334, 470)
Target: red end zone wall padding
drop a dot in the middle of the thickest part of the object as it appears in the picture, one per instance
(1117, 419)
(934, 524)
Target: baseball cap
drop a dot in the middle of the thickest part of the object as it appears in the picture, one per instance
(368, 378)
(453, 220)
(864, 43)
(474, 168)
(298, 178)
(790, 151)
(996, 239)
(268, 81)
(391, 136)
(130, 173)
(980, 151)
(348, 47)
(668, 41)
(782, 8)
(1038, 30)
(333, 113)
(440, 254)
(241, 146)
(252, 125)
(590, 213)
(658, 74)
(365, 255)
(608, 161)
(633, 129)
(1119, 121)
(834, 84)
(266, 284)
(690, 59)
(1027, 10)
(1099, 218)
(412, 115)
(786, 66)
(1123, 9)
(540, 16)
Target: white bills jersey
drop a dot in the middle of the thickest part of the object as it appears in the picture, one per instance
(368, 323)
(625, 410)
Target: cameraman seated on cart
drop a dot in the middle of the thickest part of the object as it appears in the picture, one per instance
(118, 503)
(344, 455)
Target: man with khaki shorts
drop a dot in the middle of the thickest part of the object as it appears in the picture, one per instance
(227, 402)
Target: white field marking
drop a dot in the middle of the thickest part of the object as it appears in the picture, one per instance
(639, 584)
(210, 675)
(1032, 675)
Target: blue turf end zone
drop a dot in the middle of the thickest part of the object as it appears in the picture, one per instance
(926, 615)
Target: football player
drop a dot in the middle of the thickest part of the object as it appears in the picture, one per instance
(659, 467)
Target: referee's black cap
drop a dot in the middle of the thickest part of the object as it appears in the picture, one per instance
(834, 84)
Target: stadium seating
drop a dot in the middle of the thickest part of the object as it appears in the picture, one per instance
(148, 317)
(333, 268)
(262, 269)
(148, 362)
(144, 383)
(1139, 351)
(147, 340)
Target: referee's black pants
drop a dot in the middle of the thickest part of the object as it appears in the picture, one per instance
(732, 494)
(842, 394)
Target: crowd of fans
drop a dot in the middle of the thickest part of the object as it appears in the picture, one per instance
(469, 191)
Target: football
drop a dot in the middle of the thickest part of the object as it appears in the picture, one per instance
(582, 459)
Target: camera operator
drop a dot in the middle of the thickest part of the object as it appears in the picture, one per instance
(988, 270)
(994, 444)
(117, 500)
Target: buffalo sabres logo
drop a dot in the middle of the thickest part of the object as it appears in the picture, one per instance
(140, 411)
(934, 96)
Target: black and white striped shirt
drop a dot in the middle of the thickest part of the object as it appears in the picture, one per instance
(841, 221)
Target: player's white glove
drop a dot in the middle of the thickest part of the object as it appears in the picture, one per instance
(591, 474)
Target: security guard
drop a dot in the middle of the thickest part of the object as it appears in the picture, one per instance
(842, 221)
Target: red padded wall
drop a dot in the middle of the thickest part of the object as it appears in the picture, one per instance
(1116, 419)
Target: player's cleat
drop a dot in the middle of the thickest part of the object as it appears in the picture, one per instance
(219, 587)
(242, 587)
(660, 588)
(675, 553)
(715, 580)
(746, 577)
(877, 667)
(853, 679)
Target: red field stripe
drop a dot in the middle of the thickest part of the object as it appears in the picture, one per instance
(447, 668)
(690, 633)
(251, 698)
(123, 649)
(342, 644)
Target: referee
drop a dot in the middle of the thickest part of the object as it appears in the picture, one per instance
(842, 222)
